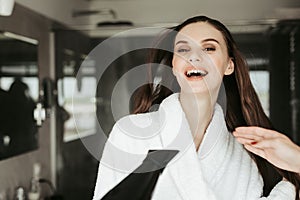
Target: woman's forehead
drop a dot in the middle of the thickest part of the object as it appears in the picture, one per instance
(198, 32)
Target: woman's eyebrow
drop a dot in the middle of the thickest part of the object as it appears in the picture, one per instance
(210, 39)
(181, 41)
(205, 40)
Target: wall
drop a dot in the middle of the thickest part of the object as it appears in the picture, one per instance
(169, 11)
(17, 171)
(285, 78)
(58, 10)
(145, 13)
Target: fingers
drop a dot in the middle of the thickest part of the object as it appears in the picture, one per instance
(247, 133)
(254, 132)
(255, 150)
(247, 136)
(245, 140)
(257, 142)
(263, 144)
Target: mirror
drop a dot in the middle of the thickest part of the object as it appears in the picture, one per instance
(19, 92)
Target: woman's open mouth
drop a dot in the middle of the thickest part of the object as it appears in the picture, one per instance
(196, 73)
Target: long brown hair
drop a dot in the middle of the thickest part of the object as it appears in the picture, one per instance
(243, 105)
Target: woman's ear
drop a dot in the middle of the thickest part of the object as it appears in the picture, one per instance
(230, 68)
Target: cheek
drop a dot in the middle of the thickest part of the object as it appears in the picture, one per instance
(219, 65)
(177, 63)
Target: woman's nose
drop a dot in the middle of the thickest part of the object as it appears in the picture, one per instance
(194, 58)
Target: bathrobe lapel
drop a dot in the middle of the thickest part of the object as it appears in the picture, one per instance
(185, 167)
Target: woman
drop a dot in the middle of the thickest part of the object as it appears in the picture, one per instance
(211, 164)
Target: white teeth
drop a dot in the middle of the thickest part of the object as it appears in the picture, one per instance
(196, 72)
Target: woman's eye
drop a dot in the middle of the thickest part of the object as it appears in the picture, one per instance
(209, 49)
(183, 50)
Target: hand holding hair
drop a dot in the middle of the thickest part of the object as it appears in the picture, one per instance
(271, 145)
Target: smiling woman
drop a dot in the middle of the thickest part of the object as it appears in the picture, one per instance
(200, 48)
(210, 164)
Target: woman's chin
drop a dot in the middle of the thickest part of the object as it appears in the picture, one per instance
(200, 89)
(195, 90)
(198, 86)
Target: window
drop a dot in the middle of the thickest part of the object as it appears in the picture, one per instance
(80, 105)
(261, 82)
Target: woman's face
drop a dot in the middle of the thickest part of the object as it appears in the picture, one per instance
(200, 59)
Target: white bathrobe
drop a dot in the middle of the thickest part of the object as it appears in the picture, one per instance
(221, 169)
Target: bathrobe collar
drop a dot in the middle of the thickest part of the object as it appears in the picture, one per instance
(176, 134)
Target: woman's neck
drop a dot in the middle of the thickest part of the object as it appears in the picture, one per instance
(198, 109)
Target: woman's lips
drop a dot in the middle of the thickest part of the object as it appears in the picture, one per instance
(195, 73)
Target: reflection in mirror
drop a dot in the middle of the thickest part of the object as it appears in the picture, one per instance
(76, 96)
(19, 91)
(80, 105)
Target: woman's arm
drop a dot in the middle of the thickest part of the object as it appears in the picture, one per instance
(275, 147)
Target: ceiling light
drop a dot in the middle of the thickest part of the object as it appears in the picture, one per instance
(115, 23)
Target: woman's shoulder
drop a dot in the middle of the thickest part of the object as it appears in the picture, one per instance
(136, 128)
(140, 120)
(145, 128)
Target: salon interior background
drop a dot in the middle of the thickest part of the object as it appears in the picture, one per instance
(64, 32)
